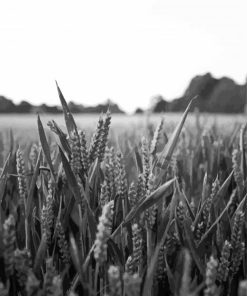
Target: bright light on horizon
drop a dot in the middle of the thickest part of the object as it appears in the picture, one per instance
(126, 51)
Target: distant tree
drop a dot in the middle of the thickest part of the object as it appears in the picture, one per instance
(159, 104)
(114, 108)
(24, 107)
(75, 108)
(6, 105)
(221, 95)
(46, 109)
(139, 111)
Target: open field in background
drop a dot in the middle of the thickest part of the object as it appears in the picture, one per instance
(124, 128)
(123, 205)
(29, 121)
(25, 125)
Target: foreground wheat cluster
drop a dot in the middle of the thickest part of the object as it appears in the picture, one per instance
(167, 217)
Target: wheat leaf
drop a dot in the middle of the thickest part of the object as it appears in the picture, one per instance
(45, 147)
(40, 255)
(4, 177)
(192, 247)
(188, 206)
(76, 257)
(242, 149)
(73, 185)
(62, 138)
(68, 117)
(167, 152)
(214, 225)
(223, 189)
(32, 186)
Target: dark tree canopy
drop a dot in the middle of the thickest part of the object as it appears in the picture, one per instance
(221, 95)
(8, 106)
(139, 111)
(216, 95)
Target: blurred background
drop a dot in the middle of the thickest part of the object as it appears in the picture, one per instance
(132, 55)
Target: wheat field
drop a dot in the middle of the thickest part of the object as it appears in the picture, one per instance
(151, 208)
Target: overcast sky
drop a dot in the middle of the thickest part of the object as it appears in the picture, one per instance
(124, 50)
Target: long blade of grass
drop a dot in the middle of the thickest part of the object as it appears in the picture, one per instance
(62, 137)
(168, 215)
(74, 188)
(4, 177)
(217, 198)
(138, 160)
(214, 225)
(234, 134)
(242, 149)
(69, 119)
(170, 276)
(11, 141)
(32, 186)
(93, 174)
(188, 206)
(192, 247)
(204, 190)
(223, 189)
(198, 215)
(73, 184)
(45, 147)
(244, 169)
(76, 258)
(3, 181)
(167, 152)
(91, 222)
(41, 252)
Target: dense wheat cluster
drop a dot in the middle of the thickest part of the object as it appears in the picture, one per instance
(166, 215)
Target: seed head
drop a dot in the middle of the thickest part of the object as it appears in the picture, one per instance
(104, 231)
(145, 162)
(137, 245)
(237, 230)
(242, 288)
(132, 284)
(22, 264)
(156, 137)
(238, 176)
(84, 150)
(76, 163)
(47, 216)
(223, 268)
(211, 272)
(20, 167)
(132, 196)
(96, 141)
(237, 257)
(114, 281)
(9, 241)
(63, 244)
(104, 136)
(104, 195)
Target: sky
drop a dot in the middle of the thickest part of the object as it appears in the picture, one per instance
(126, 51)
